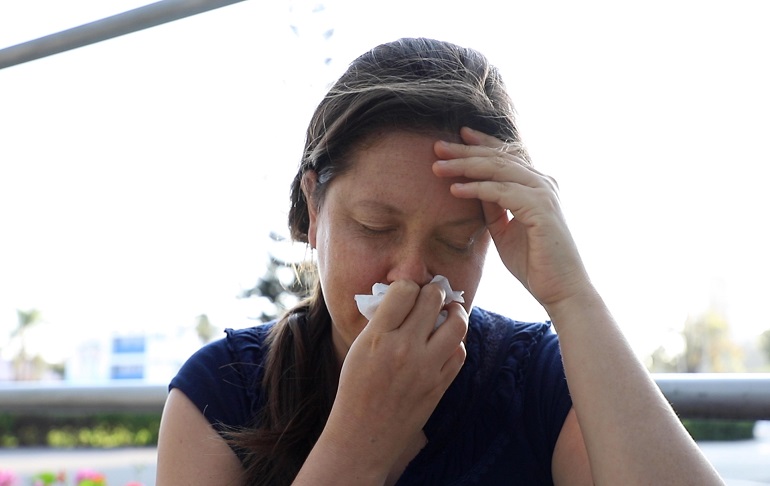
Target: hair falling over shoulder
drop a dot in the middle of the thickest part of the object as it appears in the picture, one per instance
(300, 383)
(414, 84)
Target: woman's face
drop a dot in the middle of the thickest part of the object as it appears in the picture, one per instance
(390, 218)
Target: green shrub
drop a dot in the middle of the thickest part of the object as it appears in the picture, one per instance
(100, 430)
(701, 429)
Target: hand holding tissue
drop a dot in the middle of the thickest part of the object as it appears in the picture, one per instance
(367, 304)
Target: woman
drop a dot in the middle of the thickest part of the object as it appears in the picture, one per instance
(412, 166)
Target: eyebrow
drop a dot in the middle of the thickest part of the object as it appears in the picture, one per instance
(390, 210)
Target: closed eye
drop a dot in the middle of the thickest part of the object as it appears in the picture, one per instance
(375, 230)
(459, 246)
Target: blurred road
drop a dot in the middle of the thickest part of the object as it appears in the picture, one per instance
(741, 463)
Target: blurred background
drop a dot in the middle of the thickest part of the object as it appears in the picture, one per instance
(141, 178)
(144, 179)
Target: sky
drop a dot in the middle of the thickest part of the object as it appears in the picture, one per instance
(140, 177)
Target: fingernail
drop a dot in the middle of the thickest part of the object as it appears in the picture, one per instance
(441, 162)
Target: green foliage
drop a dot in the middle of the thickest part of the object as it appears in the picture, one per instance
(764, 344)
(100, 430)
(206, 331)
(284, 283)
(703, 430)
(48, 478)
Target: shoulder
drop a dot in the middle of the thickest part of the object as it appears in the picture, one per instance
(496, 326)
(521, 356)
(496, 337)
(222, 378)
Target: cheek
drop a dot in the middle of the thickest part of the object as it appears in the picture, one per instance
(347, 266)
(468, 275)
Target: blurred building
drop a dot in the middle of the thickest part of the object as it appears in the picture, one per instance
(153, 358)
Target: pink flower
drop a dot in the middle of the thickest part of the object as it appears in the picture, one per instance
(88, 477)
(7, 478)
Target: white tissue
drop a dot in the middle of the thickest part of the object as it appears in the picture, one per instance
(367, 304)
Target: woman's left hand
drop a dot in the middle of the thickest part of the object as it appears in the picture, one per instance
(522, 212)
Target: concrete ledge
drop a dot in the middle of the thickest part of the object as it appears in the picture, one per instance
(718, 395)
(53, 397)
(693, 395)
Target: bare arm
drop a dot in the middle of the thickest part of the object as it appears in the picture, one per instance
(570, 464)
(190, 451)
(630, 432)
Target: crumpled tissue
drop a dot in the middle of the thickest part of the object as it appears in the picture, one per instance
(367, 304)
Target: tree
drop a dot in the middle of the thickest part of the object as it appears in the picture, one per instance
(205, 329)
(283, 284)
(706, 347)
(26, 320)
(764, 344)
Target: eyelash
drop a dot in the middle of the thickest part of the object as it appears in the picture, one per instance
(374, 231)
(371, 231)
(459, 249)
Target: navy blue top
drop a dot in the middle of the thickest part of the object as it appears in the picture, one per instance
(497, 423)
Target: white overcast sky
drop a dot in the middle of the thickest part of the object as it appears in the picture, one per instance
(140, 177)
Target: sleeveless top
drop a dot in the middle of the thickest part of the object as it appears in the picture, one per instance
(497, 423)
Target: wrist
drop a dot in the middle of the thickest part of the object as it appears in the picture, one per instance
(585, 302)
(342, 456)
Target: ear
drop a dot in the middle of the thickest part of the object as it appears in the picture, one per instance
(309, 180)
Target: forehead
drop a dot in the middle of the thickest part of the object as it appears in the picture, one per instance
(395, 168)
(394, 153)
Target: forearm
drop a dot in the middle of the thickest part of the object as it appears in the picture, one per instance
(631, 433)
(332, 462)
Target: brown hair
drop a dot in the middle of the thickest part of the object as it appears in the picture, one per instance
(419, 85)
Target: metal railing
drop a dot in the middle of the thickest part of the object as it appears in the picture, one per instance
(726, 396)
(717, 395)
(60, 397)
(124, 23)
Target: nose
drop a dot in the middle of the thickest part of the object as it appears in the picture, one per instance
(410, 263)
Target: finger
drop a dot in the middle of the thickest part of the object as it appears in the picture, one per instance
(495, 168)
(395, 307)
(487, 163)
(451, 150)
(422, 319)
(452, 331)
(447, 340)
(453, 365)
(470, 136)
(523, 202)
(495, 216)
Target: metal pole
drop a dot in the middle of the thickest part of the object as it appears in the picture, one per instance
(693, 395)
(60, 397)
(124, 23)
(718, 395)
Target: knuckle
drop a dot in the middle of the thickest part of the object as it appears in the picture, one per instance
(400, 354)
(405, 287)
(500, 187)
(500, 162)
(433, 292)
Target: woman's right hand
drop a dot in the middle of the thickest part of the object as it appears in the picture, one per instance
(393, 377)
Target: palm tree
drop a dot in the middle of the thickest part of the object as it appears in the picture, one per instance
(205, 329)
(27, 319)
